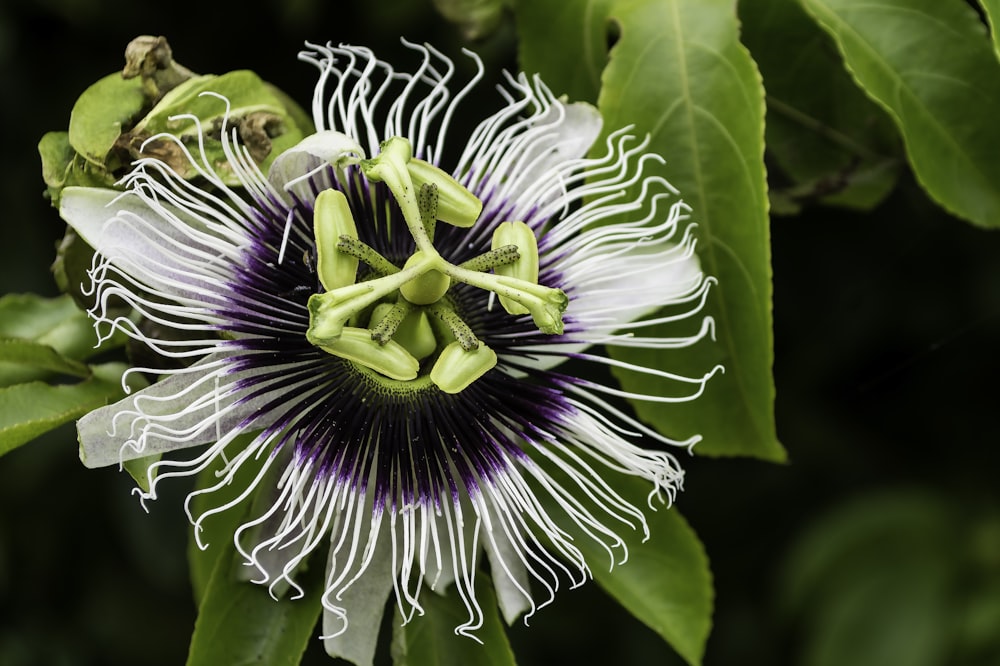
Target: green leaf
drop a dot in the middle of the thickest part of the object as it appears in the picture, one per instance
(572, 64)
(217, 530)
(430, 639)
(57, 156)
(679, 73)
(52, 321)
(829, 139)
(666, 582)
(100, 115)
(992, 11)
(62, 167)
(55, 323)
(267, 126)
(874, 582)
(42, 357)
(929, 64)
(31, 409)
(239, 623)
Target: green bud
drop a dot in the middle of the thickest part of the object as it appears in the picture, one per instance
(455, 204)
(426, 288)
(332, 219)
(525, 267)
(457, 368)
(390, 359)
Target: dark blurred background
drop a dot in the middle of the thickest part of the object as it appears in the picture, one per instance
(878, 543)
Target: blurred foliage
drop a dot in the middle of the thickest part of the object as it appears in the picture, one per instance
(897, 576)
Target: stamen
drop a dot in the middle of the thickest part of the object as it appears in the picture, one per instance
(525, 267)
(333, 222)
(458, 367)
(389, 358)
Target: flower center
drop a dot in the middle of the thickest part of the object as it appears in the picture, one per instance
(399, 320)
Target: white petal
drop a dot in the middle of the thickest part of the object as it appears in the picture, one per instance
(315, 151)
(510, 576)
(526, 163)
(364, 603)
(186, 409)
(566, 138)
(636, 284)
(157, 244)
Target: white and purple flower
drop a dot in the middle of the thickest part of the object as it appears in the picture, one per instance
(383, 326)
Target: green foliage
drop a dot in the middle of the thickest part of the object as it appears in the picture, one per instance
(679, 74)
(55, 322)
(239, 622)
(43, 343)
(902, 577)
(30, 409)
(992, 10)
(571, 65)
(117, 120)
(103, 113)
(39, 357)
(63, 167)
(430, 639)
(830, 141)
(929, 64)
(251, 107)
(666, 582)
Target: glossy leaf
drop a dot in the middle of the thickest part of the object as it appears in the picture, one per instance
(679, 73)
(33, 408)
(571, 65)
(217, 530)
(56, 322)
(41, 357)
(430, 639)
(992, 10)
(931, 66)
(830, 140)
(101, 113)
(33, 324)
(240, 623)
(666, 582)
